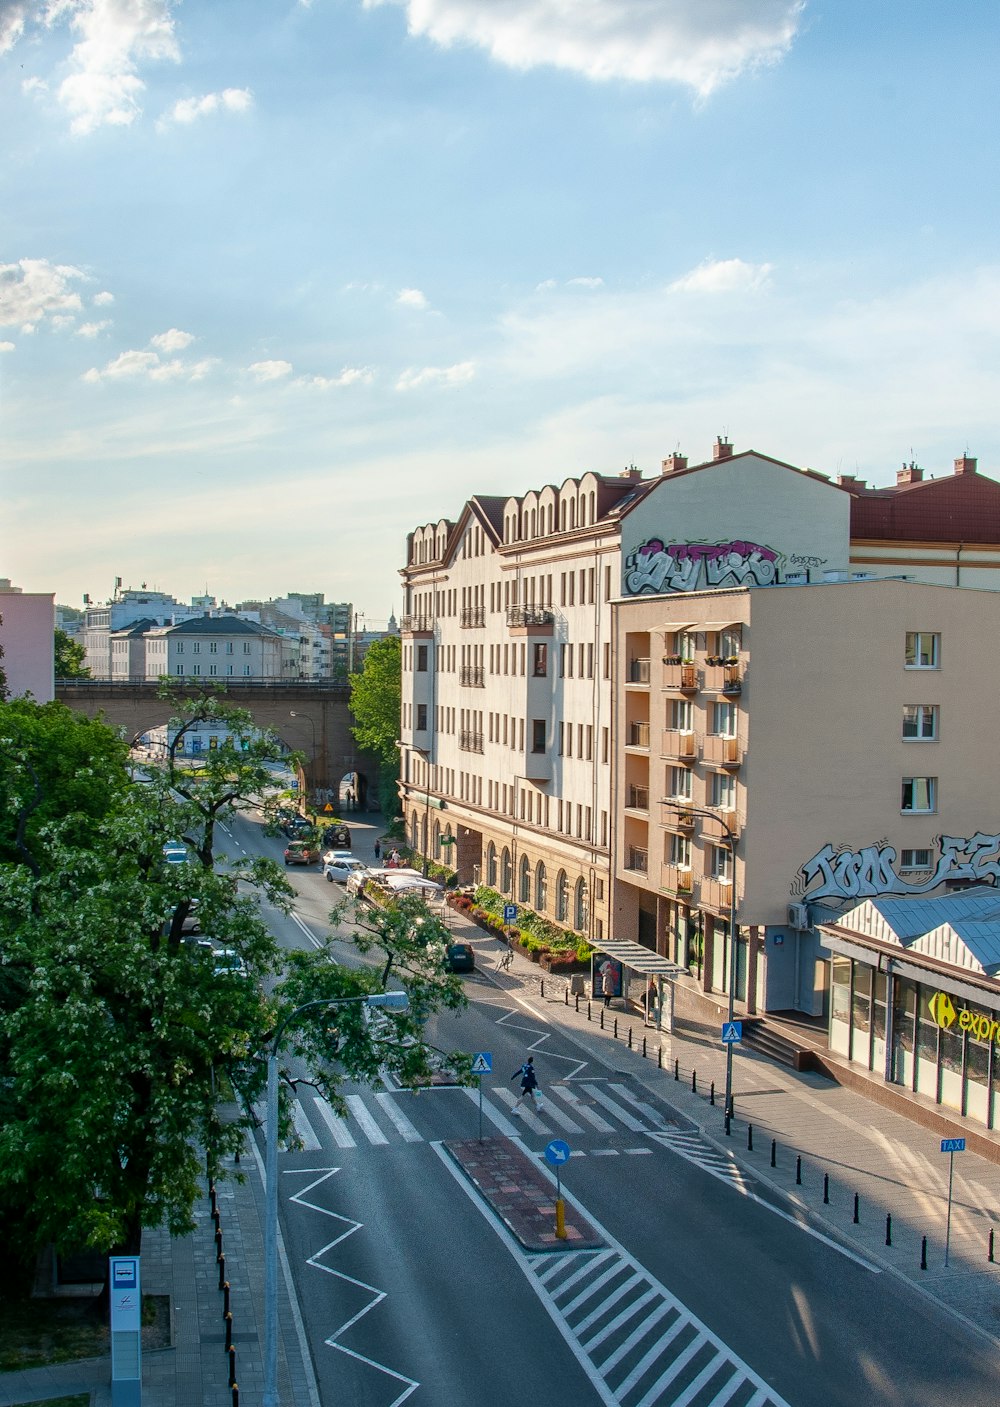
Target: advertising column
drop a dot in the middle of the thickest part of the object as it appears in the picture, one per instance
(126, 1332)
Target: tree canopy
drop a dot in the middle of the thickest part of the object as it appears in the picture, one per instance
(69, 657)
(375, 703)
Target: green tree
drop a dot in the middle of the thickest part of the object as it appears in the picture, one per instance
(375, 703)
(69, 657)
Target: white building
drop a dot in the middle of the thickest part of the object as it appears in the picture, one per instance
(222, 647)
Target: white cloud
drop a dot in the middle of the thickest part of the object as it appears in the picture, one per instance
(350, 376)
(127, 364)
(114, 37)
(411, 298)
(270, 371)
(723, 276)
(6, 346)
(101, 300)
(585, 283)
(91, 329)
(457, 375)
(33, 289)
(188, 110)
(172, 341)
(12, 18)
(698, 44)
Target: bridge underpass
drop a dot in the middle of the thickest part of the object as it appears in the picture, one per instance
(311, 717)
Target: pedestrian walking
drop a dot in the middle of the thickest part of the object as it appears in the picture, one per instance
(529, 1085)
(378, 849)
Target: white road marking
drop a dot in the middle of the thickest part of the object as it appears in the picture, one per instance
(596, 1092)
(369, 1127)
(337, 1125)
(495, 1117)
(581, 1111)
(304, 1128)
(316, 942)
(398, 1118)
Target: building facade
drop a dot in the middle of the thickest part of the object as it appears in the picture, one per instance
(214, 647)
(27, 635)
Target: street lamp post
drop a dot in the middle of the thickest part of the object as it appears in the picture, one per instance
(308, 719)
(731, 843)
(393, 1001)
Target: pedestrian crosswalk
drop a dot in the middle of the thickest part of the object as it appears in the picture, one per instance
(578, 1110)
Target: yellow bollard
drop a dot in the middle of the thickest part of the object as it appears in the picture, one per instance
(560, 1219)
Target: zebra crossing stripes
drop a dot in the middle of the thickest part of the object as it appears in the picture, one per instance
(693, 1148)
(643, 1345)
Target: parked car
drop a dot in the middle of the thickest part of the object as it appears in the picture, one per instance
(341, 869)
(228, 963)
(337, 834)
(301, 852)
(175, 853)
(329, 856)
(460, 957)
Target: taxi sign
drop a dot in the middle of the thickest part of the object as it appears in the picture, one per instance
(953, 1145)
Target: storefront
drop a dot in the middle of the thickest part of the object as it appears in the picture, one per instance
(915, 1000)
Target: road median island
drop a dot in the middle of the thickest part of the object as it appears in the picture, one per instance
(520, 1194)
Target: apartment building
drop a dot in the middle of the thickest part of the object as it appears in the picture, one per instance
(223, 647)
(27, 638)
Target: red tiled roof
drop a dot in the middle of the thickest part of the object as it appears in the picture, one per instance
(960, 508)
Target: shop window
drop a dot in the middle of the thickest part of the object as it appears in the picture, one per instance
(861, 1014)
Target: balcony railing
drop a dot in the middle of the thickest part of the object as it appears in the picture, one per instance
(680, 743)
(473, 616)
(473, 675)
(723, 675)
(638, 671)
(470, 742)
(677, 878)
(716, 894)
(416, 625)
(638, 735)
(638, 798)
(724, 752)
(638, 860)
(679, 674)
(529, 615)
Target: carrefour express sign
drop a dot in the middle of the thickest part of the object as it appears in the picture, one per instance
(944, 1012)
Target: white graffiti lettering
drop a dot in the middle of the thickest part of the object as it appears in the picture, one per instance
(866, 873)
(681, 566)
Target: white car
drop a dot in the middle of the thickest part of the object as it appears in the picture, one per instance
(343, 868)
(228, 963)
(334, 857)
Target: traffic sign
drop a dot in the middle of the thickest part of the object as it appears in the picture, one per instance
(557, 1152)
(732, 1032)
(953, 1145)
(482, 1064)
(509, 913)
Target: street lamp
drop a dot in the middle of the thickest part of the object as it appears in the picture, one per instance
(392, 1001)
(306, 718)
(731, 842)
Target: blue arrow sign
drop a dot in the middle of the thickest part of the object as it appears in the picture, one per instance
(482, 1064)
(557, 1152)
(953, 1145)
(732, 1032)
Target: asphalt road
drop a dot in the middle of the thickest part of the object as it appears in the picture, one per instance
(704, 1294)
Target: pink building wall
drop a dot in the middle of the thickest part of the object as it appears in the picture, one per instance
(28, 646)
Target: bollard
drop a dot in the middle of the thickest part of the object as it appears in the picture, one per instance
(616, 1028)
(990, 1256)
(576, 998)
(211, 1193)
(888, 1228)
(602, 1018)
(630, 1038)
(659, 1057)
(232, 1367)
(222, 1271)
(225, 1299)
(541, 988)
(749, 1138)
(217, 1220)
(218, 1241)
(588, 1008)
(726, 1125)
(566, 996)
(677, 1069)
(826, 1189)
(694, 1081)
(711, 1094)
(857, 1214)
(798, 1170)
(644, 1047)
(923, 1253)
(229, 1331)
(236, 1395)
(774, 1152)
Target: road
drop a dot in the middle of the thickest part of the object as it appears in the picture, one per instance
(706, 1291)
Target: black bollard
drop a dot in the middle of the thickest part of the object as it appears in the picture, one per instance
(677, 1069)
(711, 1094)
(659, 1057)
(616, 1028)
(577, 1000)
(541, 988)
(602, 1018)
(211, 1193)
(232, 1367)
(857, 1213)
(218, 1241)
(630, 1038)
(644, 1047)
(888, 1228)
(990, 1256)
(694, 1081)
(923, 1253)
(217, 1221)
(225, 1299)
(749, 1138)
(222, 1271)
(774, 1152)
(798, 1170)
(826, 1188)
(588, 1009)
(565, 996)
(236, 1395)
(229, 1330)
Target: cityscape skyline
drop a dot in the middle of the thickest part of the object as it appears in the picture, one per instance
(380, 256)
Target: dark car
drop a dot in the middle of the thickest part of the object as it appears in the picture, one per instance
(301, 852)
(460, 957)
(337, 835)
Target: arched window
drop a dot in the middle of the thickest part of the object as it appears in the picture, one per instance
(436, 852)
(581, 907)
(506, 872)
(541, 888)
(562, 897)
(524, 882)
(414, 830)
(491, 865)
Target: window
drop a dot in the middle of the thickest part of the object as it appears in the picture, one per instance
(922, 650)
(246, 670)
(506, 871)
(196, 648)
(581, 907)
(541, 888)
(229, 647)
(246, 649)
(421, 659)
(680, 851)
(680, 783)
(538, 735)
(421, 718)
(723, 791)
(919, 794)
(524, 881)
(681, 715)
(920, 722)
(562, 897)
(724, 720)
(915, 860)
(213, 648)
(722, 868)
(180, 647)
(540, 665)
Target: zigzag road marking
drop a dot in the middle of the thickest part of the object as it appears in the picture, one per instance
(349, 1226)
(692, 1147)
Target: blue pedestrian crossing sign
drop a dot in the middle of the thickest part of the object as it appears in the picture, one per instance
(732, 1032)
(510, 913)
(557, 1152)
(953, 1145)
(482, 1064)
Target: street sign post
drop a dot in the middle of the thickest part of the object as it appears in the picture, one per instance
(951, 1146)
(509, 914)
(482, 1064)
(732, 1032)
(556, 1153)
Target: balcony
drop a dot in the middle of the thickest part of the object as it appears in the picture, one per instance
(470, 742)
(530, 620)
(416, 625)
(728, 817)
(723, 676)
(637, 860)
(473, 617)
(716, 894)
(679, 674)
(677, 816)
(638, 799)
(637, 735)
(679, 743)
(638, 671)
(677, 879)
(474, 676)
(723, 752)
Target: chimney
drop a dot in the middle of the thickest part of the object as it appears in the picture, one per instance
(909, 474)
(722, 449)
(965, 465)
(851, 481)
(674, 463)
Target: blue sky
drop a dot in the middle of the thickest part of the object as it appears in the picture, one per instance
(280, 281)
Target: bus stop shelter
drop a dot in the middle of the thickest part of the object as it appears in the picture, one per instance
(658, 975)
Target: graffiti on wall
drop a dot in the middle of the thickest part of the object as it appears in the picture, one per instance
(690, 566)
(871, 871)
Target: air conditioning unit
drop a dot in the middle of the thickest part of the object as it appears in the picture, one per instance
(798, 916)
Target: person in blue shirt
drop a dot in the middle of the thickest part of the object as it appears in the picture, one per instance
(529, 1084)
